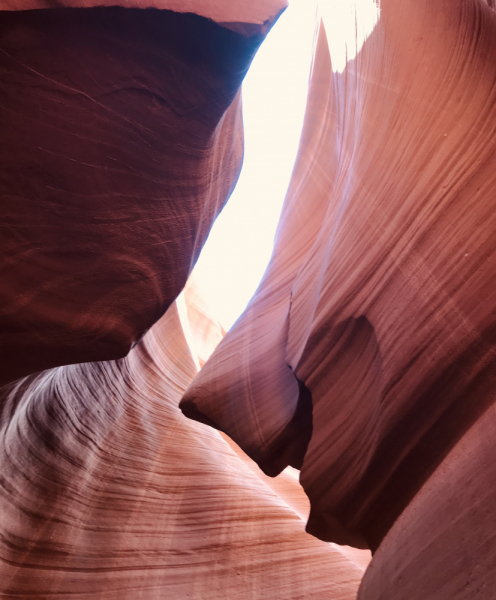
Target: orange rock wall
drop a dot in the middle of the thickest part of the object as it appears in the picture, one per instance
(109, 492)
(365, 359)
(122, 140)
(366, 356)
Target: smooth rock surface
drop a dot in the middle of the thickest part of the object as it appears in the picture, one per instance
(108, 492)
(121, 141)
(366, 358)
(368, 350)
(443, 544)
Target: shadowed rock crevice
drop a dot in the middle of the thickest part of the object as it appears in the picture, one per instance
(442, 416)
(292, 441)
(347, 396)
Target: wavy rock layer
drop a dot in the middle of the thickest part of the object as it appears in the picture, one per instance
(107, 491)
(444, 544)
(121, 141)
(369, 349)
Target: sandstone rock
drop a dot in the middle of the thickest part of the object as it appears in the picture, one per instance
(368, 350)
(365, 359)
(443, 544)
(109, 492)
(121, 141)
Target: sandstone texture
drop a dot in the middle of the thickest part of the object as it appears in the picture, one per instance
(367, 356)
(121, 142)
(107, 491)
(365, 360)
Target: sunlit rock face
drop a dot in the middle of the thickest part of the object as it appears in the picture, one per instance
(367, 355)
(107, 491)
(121, 141)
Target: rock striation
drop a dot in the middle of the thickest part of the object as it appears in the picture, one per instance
(107, 491)
(367, 355)
(122, 140)
(366, 358)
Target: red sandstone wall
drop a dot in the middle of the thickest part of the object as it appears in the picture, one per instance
(366, 357)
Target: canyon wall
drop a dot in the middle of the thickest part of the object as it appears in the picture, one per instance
(109, 492)
(122, 140)
(367, 356)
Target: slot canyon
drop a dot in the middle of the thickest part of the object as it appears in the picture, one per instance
(339, 441)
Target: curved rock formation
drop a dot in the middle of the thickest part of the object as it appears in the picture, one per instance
(107, 491)
(366, 358)
(443, 544)
(368, 351)
(121, 141)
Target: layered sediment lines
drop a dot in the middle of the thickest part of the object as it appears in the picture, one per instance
(109, 492)
(368, 351)
(366, 358)
(121, 141)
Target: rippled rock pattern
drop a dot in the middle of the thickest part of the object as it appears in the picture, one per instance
(121, 142)
(107, 491)
(367, 356)
(122, 139)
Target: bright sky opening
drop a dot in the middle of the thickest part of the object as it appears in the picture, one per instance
(275, 89)
(240, 244)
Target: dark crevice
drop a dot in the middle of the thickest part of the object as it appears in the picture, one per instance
(291, 445)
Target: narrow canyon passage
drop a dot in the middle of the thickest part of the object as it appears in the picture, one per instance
(350, 408)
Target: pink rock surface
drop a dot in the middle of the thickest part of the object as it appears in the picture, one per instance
(109, 492)
(122, 140)
(366, 358)
(443, 544)
(368, 350)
